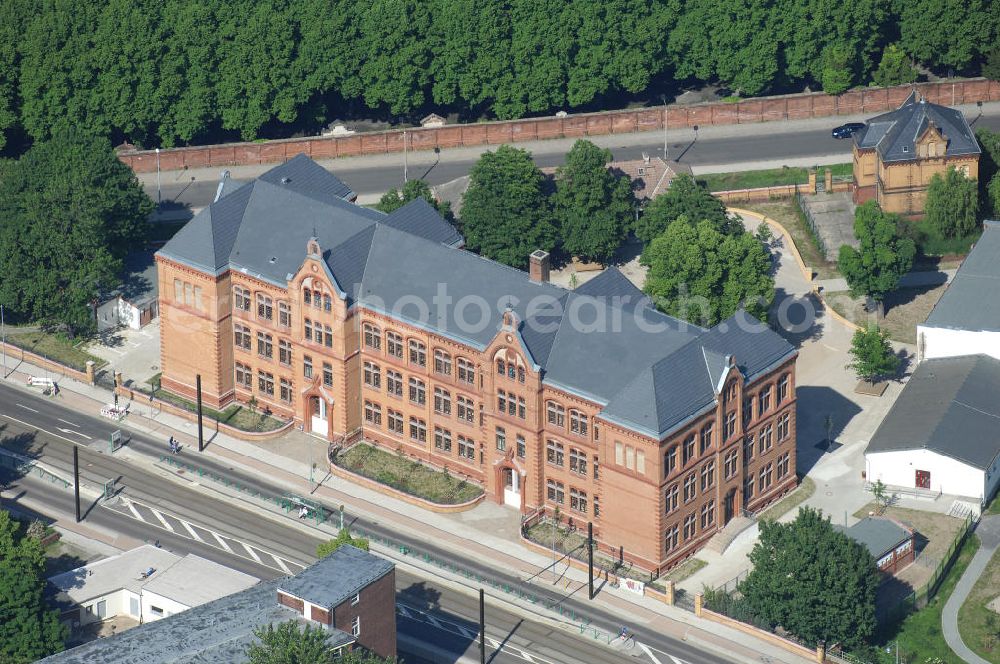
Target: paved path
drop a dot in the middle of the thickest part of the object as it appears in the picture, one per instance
(988, 532)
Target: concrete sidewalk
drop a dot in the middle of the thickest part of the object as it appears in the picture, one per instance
(286, 461)
(918, 279)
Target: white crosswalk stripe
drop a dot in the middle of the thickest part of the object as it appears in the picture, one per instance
(136, 512)
(222, 542)
(195, 535)
(281, 564)
(253, 554)
(163, 521)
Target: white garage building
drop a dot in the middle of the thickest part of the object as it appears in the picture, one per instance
(966, 320)
(943, 433)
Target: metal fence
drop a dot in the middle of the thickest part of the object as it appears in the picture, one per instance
(803, 210)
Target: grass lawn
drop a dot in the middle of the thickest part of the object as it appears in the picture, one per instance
(55, 346)
(685, 570)
(980, 627)
(566, 541)
(919, 635)
(786, 214)
(904, 310)
(994, 506)
(235, 415)
(766, 178)
(408, 475)
(929, 243)
(797, 496)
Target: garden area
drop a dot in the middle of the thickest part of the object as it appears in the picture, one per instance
(56, 346)
(772, 177)
(235, 415)
(904, 309)
(571, 541)
(787, 213)
(407, 475)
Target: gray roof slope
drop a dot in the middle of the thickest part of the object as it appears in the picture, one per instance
(612, 283)
(949, 406)
(217, 632)
(964, 305)
(879, 536)
(684, 383)
(305, 176)
(332, 580)
(895, 133)
(420, 218)
(584, 341)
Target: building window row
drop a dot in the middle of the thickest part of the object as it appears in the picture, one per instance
(317, 299)
(318, 333)
(510, 370)
(511, 405)
(630, 457)
(187, 294)
(241, 336)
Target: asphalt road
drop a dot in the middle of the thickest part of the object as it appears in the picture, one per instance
(756, 145)
(153, 503)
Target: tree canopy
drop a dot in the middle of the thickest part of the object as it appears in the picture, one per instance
(812, 580)
(952, 206)
(290, 643)
(894, 68)
(592, 205)
(28, 630)
(413, 189)
(181, 71)
(323, 549)
(872, 356)
(883, 258)
(685, 198)
(703, 276)
(71, 212)
(506, 213)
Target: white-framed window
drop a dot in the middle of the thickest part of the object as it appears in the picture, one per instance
(355, 599)
(356, 626)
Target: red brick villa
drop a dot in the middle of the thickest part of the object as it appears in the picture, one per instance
(358, 324)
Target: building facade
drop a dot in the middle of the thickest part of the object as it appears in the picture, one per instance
(897, 153)
(657, 431)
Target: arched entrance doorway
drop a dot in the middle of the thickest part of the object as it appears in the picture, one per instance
(511, 482)
(319, 410)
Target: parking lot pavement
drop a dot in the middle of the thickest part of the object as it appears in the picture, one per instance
(135, 353)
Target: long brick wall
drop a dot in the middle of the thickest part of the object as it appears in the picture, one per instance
(763, 109)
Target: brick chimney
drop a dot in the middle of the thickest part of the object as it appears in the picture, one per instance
(538, 266)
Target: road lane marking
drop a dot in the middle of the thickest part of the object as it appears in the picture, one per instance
(650, 653)
(136, 512)
(38, 428)
(26, 408)
(68, 422)
(222, 542)
(187, 526)
(281, 564)
(76, 432)
(253, 554)
(162, 520)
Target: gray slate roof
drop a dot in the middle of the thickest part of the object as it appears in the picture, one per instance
(969, 301)
(894, 134)
(949, 406)
(214, 633)
(585, 341)
(686, 382)
(612, 283)
(332, 580)
(879, 536)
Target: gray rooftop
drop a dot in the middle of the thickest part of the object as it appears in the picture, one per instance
(879, 536)
(949, 406)
(894, 134)
(122, 571)
(964, 304)
(194, 580)
(214, 633)
(332, 580)
(412, 256)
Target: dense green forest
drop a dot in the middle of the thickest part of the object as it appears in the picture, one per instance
(173, 72)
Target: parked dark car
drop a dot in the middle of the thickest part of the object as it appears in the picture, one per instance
(848, 130)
